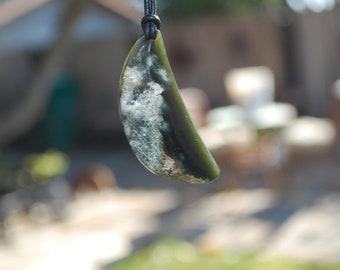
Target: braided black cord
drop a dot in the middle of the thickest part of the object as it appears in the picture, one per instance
(150, 22)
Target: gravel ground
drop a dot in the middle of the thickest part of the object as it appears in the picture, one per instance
(299, 222)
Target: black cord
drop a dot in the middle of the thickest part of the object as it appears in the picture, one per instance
(149, 7)
(150, 22)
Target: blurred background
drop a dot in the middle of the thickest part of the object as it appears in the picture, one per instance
(260, 79)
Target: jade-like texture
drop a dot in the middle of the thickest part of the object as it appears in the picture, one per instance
(155, 120)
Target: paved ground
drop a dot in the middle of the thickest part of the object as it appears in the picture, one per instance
(300, 221)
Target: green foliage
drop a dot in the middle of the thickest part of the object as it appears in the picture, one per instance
(180, 8)
(45, 166)
(175, 254)
(18, 172)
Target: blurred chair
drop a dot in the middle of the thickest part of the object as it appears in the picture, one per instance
(248, 132)
(217, 131)
(309, 137)
(274, 116)
(226, 117)
(312, 137)
(250, 87)
(227, 126)
(222, 142)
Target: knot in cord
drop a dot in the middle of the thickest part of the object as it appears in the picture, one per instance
(150, 22)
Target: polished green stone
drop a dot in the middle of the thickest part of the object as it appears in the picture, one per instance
(155, 120)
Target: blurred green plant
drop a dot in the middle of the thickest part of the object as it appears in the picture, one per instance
(42, 167)
(180, 8)
(170, 254)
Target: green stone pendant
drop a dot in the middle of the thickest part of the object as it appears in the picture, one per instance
(155, 120)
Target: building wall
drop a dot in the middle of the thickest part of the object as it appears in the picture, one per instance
(201, 51)
(316, 42)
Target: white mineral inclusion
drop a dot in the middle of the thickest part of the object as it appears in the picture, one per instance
(141, 104)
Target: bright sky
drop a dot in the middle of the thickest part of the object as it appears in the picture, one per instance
(313, 5)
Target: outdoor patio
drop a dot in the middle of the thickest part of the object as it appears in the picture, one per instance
(260, 80)
(99, 227)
